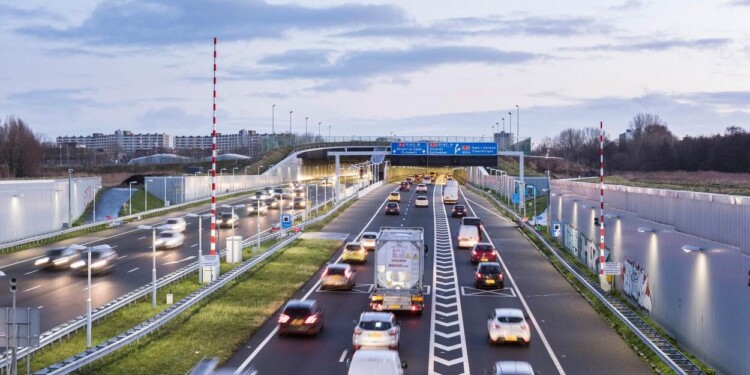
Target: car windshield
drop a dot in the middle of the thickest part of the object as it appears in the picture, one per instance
(459, 208)
(472, 221)
(278, 190)
(299, 199)
(353, 247)
(226, 216)
(369, 236)
(421, 198)
(489, 269)
(335, 271)
(375, 326)
(167, 235)
(55, 252)
(172, 221)
(484, 248)
(509, 319)
(297, 311)
(392, 205)
(394, 194)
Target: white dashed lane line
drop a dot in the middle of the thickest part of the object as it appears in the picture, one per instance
(32, 288)
(30, 272)
(134, 269)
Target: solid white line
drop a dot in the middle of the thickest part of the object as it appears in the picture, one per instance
(179, 261)
(134, 269)
(30, 272)
(343, 356)
(124, 256)
(140, 238)
(32, 288)
(488, 210)
(520, 297)
(257, 350)
(194, 245)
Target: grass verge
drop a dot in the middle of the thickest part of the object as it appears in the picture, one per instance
(233, 314)
(697, 185)
(138, 202)
(629, 337)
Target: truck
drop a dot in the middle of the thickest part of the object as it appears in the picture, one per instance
(399, 268)
(450, 194)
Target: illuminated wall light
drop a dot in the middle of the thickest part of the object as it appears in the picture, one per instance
(18, 195)
(646, 230)
(691, 248)
(612, 216)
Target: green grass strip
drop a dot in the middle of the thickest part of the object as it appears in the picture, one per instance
(138, 202)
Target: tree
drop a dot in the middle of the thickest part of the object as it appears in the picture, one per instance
(640, 121)
(21, 151)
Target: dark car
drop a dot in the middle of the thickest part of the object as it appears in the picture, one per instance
(301, 317)
(300, 202)
(257, 207)
(268, 190)
(392, 208)
(103, 260)
(278, 192)
(404, 186)
(489, 274)
(272, 203)
(57, 259)
(458, 210)
(475, 221)
(483, 252)
(228, 220)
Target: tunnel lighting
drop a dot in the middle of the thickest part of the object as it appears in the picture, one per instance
(646, 230)
(612, 216)
(691, 248)
(18, 195)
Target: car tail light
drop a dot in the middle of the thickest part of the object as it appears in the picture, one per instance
(283, 318)
(478, 275)
(357, 331)
(392, 331)
(474, 252)
(414, 307)
(311, 319)
(500, 276)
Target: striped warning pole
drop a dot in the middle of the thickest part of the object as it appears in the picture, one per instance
(213, 165)
(601, 201)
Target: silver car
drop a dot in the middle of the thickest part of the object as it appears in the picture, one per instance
(511, 368)
(175, 224)
(169, 239)
(508, 325)
(368, 240)
(337, 276)
(257, 207)
(376, 330)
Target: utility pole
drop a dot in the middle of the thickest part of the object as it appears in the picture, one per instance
(70, 198)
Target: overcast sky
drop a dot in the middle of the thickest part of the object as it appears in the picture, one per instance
(417, 67)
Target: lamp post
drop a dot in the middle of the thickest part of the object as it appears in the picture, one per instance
(273, 127)
(233, 169)
(200, 243)
(510, 124)
(153, 268)
(329, 133)
(165, 191)
(503, 123)
(305, 128)
(518, 119)
(319, 139)
(95, 188)
(290, 123)
(316, 199)
(257, 222)
(145, 190)
(70, 198)
(233, 207)
(130, 196)
(88, 301)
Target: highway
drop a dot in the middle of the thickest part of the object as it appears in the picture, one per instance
(61, 295)
(567, 335)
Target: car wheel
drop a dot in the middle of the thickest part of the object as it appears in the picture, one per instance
(476, 285)
(502, 285)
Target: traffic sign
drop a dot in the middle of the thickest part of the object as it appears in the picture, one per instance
(462, 148)
(409, 148)
(286, 221)
(210, 260)
(612, 268)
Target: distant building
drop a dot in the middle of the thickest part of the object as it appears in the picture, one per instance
(121, 141)
(503, 140)
(627, 136)
(246, 142)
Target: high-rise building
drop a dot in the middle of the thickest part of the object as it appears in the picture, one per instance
(120, 141)
(246, 142)
(627, 136)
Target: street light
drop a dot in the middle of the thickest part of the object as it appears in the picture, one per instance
(233, 207)
(153, 269)
(305, 128)
(518, 120)
(319, 139)
(329, 133)
(130, 196)
(200, 242)
(70, 198)
(290, 123)
(145, 203)
(233, 169)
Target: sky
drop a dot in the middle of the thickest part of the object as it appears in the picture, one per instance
(371, 68)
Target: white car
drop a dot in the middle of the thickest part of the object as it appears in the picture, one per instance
(508, 325)
(421, 201)
(511, 368)
(175, 224)
(368, 240)
(376, 362)
(376, 330)
(169, 239)
(421, 188)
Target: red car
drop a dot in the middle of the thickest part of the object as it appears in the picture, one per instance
(483, 252)
(404, 186)
(302, 317)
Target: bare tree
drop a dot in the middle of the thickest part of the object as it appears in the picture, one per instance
(21, 152)
(641, 121)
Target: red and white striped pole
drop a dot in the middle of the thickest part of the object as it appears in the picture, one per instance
(213, 166)
(601, 202)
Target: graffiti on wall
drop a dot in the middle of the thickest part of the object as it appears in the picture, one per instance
(571, 239)
(591, 254)
(635, 283)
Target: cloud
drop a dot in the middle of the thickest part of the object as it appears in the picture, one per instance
(720, 98)
(52, 98)
(455, 28)
(658, 45)
(9, 12)
(77, 51)
(741, 2)
(628, 5)
(355, 70)
(166, 22)
(174, 120)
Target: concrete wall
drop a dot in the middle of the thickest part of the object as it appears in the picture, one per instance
(33, 207)
(701, 298)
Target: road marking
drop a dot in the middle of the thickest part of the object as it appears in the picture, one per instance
(488, 210)
(124, 256)
(32, 288)
(40, 307)
(520, 297)
(257, 350)
(194, 245)
(343, 356)
(92, 287)
(140, 238)
(179, 261)
(134, 269)
(30, 272)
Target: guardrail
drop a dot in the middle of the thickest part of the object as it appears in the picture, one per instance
(65, 329)
(92, 354)
(117, 221)
(675, 359)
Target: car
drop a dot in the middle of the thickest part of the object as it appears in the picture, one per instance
(511, 368)
(299, 191)
(176, 224)
(376, 330)
(278, 192)
(326, 182)
(337, 276)
(259, 196)
(458, 210)
(368, 240)
(272, 203)
(376, 362)
(508, 325)
(467, 237)
(256, 208)
(301, 317)
(409, 179)
(57, 259)
(354, 252)
(489, 274)
(421, 188)
(169, 239)
(475, 221)
(268, 190)
(275, 227)
(103, 260)
(299, 202)
(286, 202)
(228, 220)
(483, 252)
(392, 208)
(421, 201)
(394, 197)
(404, 186)
(427, 180)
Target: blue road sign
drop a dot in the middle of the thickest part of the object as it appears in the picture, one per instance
(409, 148)
(515, 198)
(286, 221)
(462, 148)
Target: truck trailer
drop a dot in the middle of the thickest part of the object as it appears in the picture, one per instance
(399, 268)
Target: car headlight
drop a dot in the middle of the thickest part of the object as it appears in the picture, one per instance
(77, 264)
(61, 261)
(98, 264)
(41, 261)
